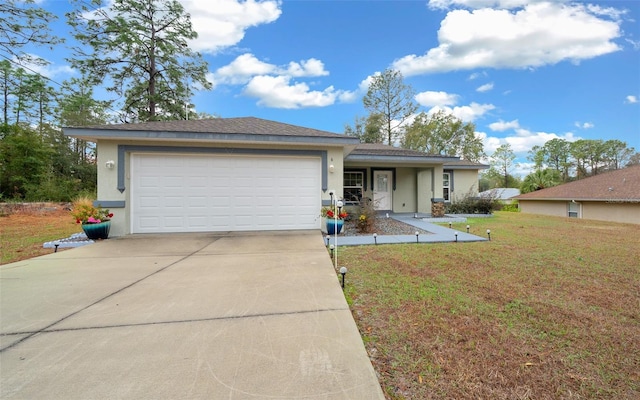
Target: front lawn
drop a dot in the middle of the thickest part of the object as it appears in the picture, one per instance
(549, 309)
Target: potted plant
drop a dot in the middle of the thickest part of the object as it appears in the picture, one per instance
(95, 220)
(333, 222)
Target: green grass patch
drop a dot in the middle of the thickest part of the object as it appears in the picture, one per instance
(549, 308)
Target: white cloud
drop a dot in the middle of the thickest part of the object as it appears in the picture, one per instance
(445, 4)
(273, 85)
(280, 92)
(310, 67)
(431, 99)
(631, 99)
(246, 66)
(242, 69)
(477, 75)
(502, 126)
(350, 96)
(584, 125)
(485, 88)
(44, 68)
(523, 168)
(524, 140)
(222, 23)
(466, 113)
(522, 38)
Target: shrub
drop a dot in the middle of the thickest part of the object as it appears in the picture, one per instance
(367, 214)
(472, 205)
(513, 207)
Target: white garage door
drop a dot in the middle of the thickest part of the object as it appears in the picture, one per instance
(201, 193)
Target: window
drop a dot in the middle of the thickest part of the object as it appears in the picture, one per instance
(574, 209)
(353, 185)
(446, 186)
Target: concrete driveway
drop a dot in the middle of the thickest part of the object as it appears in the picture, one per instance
(184, 316)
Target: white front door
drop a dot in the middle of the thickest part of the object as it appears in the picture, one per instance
(382, 189)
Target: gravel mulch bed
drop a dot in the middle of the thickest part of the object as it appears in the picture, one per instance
(383, 226)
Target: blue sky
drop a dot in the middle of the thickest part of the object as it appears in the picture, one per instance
(522, 71)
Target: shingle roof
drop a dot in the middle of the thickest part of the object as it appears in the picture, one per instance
(379, 149)
(622, 184)
(241, 125)
(465, 164)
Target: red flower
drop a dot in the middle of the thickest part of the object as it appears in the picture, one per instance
(330, 214)
(110, 215)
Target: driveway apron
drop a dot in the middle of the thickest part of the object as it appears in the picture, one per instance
(184, 316)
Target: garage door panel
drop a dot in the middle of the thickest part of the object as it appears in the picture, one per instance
(183, 193)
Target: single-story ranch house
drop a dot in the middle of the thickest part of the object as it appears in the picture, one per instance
(245, 174)
(613, 196)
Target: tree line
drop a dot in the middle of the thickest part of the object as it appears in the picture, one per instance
(394, 119)
(135, 53)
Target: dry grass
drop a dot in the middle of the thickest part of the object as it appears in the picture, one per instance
(23, 233)
(549, 309)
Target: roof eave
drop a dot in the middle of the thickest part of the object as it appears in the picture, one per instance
(577, 199)
(469, 167)
(395, 159)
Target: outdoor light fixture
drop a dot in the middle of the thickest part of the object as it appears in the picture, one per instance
(343, 272)
(417, 237)
(56, 245)
(387, 215)
(110, 164)
(337, 211)
(456, 234)
(327, 237)
(449, 224)
(331, 168)
(415, 215)
(468, 228)
(331, 249)
(375, 238)
(489, 233)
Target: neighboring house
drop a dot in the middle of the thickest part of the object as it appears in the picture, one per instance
(503, 195)
(244, 174)
(611, 196)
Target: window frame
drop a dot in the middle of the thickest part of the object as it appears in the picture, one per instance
(446, 190)
(362, 188)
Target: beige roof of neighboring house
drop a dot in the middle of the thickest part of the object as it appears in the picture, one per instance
(619, 185)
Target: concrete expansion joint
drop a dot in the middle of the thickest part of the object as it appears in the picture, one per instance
(183, 321)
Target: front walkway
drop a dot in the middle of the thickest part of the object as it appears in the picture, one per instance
(439, 234)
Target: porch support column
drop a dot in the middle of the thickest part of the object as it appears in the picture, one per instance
(424, 189)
